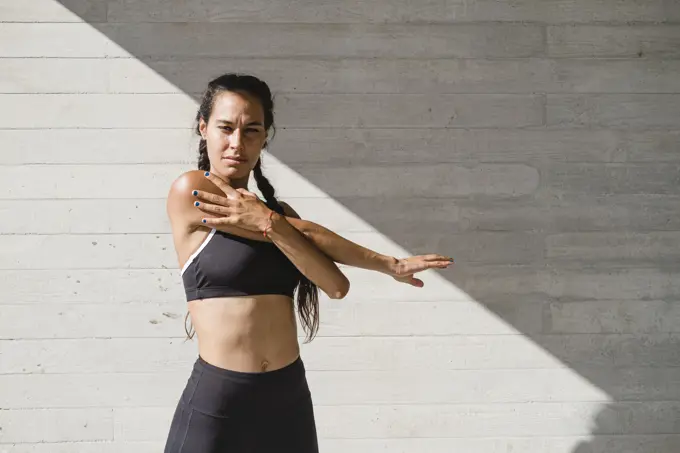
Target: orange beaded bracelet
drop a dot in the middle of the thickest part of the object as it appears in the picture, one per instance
(269, 223)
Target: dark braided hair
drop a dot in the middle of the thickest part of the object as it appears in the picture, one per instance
(307, 292)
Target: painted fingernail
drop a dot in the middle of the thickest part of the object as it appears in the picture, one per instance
(203, 220)
(195, 192)
(197, 203)
(207, 173)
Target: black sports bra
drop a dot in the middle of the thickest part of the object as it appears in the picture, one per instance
(230, 265)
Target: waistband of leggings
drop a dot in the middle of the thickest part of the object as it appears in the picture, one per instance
(292, 369)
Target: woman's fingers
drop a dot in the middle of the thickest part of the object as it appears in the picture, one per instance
(415, 264)
(214, 208)
(411, 280)
(211, 197)
(435, 257)
(436, 260)
(229, 191)
(213, 221)
(431, 265)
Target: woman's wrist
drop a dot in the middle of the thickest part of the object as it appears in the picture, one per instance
(274, 225)
(388, 264)
(268, 223)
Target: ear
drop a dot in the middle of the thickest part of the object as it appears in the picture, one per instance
(202, 127)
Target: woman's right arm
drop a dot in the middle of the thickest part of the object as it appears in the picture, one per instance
(184, 214)
(337, 248)
(307, 258)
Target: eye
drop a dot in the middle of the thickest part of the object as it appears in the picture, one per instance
(226, 128)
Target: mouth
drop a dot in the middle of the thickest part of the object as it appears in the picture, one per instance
(234, 159)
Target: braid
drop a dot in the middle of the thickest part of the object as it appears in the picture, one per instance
(203, 159)
(266, 188)
(307, 291)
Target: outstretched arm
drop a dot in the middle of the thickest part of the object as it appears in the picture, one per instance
(346, 252)
(340, 250)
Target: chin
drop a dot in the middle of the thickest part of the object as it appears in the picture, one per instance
(231, 172)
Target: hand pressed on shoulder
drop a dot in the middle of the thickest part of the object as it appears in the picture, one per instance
(238, 207)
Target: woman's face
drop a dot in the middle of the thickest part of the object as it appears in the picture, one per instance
(235, 134)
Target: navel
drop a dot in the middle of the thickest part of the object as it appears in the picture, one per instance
(265, 364)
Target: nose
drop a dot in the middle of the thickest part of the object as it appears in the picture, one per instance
(235, 140)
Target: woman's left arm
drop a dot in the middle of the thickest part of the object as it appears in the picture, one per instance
(344, 251)
(329, 244)
(313, 264)
(243, 209)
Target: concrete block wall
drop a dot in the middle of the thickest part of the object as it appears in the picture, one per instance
(537, 142)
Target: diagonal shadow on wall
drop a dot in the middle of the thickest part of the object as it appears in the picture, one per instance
(516, 240)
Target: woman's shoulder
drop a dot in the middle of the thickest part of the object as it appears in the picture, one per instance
(187, 182)
(180, 198)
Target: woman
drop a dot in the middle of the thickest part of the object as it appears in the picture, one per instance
(242, 260)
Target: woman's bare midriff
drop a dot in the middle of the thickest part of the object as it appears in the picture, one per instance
(247, 334)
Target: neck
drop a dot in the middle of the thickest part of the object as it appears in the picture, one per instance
(239, 183)
(236, 183)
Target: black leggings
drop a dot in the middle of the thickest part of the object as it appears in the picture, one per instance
(225, 411)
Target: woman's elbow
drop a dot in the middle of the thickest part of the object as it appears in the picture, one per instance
(341, 290)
